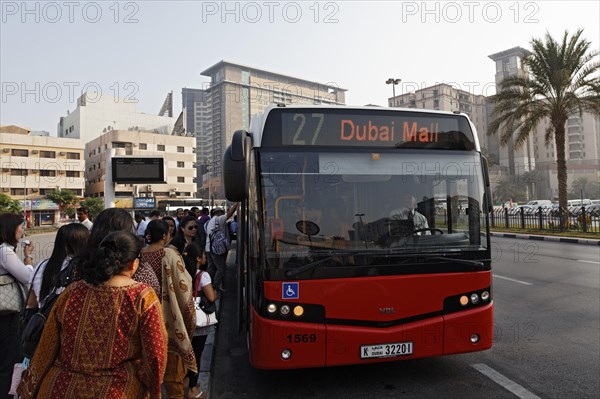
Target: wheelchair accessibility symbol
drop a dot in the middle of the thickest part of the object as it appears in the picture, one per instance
(290, 291)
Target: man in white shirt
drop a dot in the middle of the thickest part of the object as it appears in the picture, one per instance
(82, 215)
(408, 210)
(141, 230)
(216, 262)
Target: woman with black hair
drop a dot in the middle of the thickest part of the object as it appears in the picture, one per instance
(70, 239)
(171, 222)
(105, 335)
(178, 302)
(195, 260)
(11, 269)
(186, 233)
(108, 221)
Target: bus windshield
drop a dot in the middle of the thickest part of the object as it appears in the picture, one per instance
(393, 202)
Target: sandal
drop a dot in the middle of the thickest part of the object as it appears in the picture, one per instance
(196, 393)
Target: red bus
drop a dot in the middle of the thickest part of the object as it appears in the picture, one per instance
(363, 235)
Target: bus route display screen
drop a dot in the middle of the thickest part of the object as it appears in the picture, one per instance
(138, 170)
(366, 128)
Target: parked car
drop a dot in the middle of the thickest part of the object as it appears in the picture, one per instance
(538, 203)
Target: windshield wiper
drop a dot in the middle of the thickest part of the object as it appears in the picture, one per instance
(466, 262)
(475, 263)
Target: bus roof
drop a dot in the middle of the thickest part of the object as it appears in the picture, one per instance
(257, 123)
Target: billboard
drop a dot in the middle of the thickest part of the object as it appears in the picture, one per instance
(133, 170)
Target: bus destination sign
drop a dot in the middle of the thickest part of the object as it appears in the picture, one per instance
(372, 128)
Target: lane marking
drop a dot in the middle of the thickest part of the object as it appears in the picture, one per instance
(513, 280)
(589, 261)
(504, 382)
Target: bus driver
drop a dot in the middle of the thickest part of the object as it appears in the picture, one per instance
(408, 210)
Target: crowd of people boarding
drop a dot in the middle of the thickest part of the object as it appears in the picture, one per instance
(121, 295)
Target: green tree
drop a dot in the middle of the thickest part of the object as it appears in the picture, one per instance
(66, 200)
(95, 205)
(530, 179)
(562, 80)
(7, 204)
(510, 188)
(582, 186)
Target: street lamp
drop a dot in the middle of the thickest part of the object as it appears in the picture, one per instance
(393, 82)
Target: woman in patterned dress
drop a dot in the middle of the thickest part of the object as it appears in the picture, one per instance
(105, 336)
(178, 304)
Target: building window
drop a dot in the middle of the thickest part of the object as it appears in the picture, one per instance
(73, 173)
(160, 147)
(180, 164)
(180, 179)
(180, 149)
(143, 146)
(117, 145)
(73, 155)
(17, 191)
(47, 173)
(18, 172)
(19, 153)
(47, 154)
(44, 191)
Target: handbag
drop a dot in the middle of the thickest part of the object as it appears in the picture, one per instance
(17, 376)
(11, 295)
(206, 314)
(204, 319)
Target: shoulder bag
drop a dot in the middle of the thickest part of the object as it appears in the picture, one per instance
(206, 314)
(35, 326)
(12, 296)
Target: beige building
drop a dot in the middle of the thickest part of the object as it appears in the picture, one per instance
(33, 166)
(237, 92)
(444, 97)
(582, 150)
(178, 152)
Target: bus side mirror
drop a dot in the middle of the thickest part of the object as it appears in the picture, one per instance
(236, 166)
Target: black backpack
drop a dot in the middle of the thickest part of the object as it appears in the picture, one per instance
(34, 328)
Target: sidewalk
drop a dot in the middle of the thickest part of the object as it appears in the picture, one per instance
(572, 240)
(226, 323)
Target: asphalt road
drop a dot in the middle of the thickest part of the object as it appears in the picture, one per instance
(546, 341)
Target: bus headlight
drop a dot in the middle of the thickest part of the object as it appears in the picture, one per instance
(272, 308)
(286, 354)
(474, 298)
(474, 338)
(464, 300)
(285, 310)
(485, 296)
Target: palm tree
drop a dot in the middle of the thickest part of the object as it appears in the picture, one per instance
(582, 187)
(562, 80)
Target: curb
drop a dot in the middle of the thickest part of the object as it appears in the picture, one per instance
(585, 241)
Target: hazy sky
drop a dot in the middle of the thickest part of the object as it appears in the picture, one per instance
(142, 50)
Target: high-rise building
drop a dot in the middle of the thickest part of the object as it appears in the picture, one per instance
(237, 92)
(197, 121)
(98, 113)
(518, 161)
